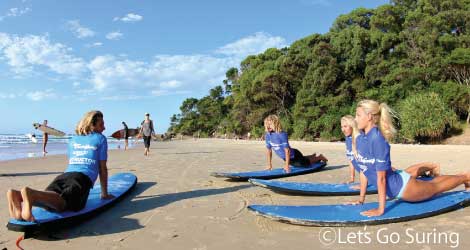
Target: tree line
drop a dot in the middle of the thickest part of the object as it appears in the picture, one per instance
(413, 55)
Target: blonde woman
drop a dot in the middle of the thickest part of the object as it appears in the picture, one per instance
(372, 149)
(350, 131)
(88, 153)
(277, 140)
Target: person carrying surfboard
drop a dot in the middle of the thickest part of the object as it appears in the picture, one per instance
(372, 153)
(277, 140)
(87, 154)
(146, 131)
(350, 131)
(45, 138)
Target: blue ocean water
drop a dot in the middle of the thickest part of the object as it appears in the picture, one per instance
(17, 146)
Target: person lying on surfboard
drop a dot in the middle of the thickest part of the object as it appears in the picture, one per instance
(372, 153)
(88, 153)
(350, 131)
(277, 140)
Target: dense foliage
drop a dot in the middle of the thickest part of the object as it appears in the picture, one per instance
(390, 54)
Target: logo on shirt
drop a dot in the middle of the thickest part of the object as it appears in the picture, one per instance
(81, 161)
(79, 153)
(85, 147)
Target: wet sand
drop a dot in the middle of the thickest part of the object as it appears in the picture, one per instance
(177, 205)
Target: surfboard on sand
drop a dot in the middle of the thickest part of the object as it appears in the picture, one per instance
(47, 129)
(350, 215)
(118, 185)
(317, 189)
(120, 133)
(309, 188)
(270, 174)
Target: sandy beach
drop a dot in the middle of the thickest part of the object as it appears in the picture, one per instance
(177, 205)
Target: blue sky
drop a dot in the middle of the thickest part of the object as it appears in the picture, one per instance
(59, 59)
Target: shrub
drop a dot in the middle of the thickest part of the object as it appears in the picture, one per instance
(425, 116)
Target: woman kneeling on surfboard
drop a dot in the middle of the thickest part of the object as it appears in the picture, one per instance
(350, 131)
(373, 158)
(277, 140)
(88, 153)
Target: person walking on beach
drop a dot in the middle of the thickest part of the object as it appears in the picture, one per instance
(146, 131)
(277, 140)
(45, 138)
(372, 153)
(125, 135)
(88, 153)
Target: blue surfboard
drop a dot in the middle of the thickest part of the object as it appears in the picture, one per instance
(317, 189)
(118, 185)
(309, 188)
(349, 215)
(271, 174)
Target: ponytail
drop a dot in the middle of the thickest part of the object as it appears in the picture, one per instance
(386, 123)
(382, 116)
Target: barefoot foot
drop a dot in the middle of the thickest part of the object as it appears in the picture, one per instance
(26, 212)
(14, 203)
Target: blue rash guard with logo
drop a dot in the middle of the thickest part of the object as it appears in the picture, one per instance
(85, 153)
(278, 142)
(350, 153)
(373, 154)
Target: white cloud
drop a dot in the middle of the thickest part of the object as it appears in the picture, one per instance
(24, 53)
(171, 74)
(41, 95)
(78, 30)
(7, 96)
(253, 44)
(170, 84)
(129, 18)
(15, 12)
(116, 35)
(118, 76)
(94, 45)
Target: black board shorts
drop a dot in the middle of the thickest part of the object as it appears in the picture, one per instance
(147, 141)
(299, 159)
(73, 187)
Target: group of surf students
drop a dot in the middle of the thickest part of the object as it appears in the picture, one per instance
(367, 139)
(367, 149)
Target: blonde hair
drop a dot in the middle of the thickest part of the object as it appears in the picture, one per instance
(274, 120)
(351, 122)
(88, 122)
(382, 115)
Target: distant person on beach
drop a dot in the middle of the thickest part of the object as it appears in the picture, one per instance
(350, 131)
(88, 153)
(277, 140)
(126, 135)
(372, 153)
(45, 138)
(146, 131)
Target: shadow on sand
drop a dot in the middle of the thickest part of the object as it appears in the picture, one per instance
(29, 174)
(114, 220)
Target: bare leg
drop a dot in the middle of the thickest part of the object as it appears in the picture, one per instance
(421, 169)
(44, 144)
(314, 158)
(44, 199)
(14, 203)
(417, 190)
